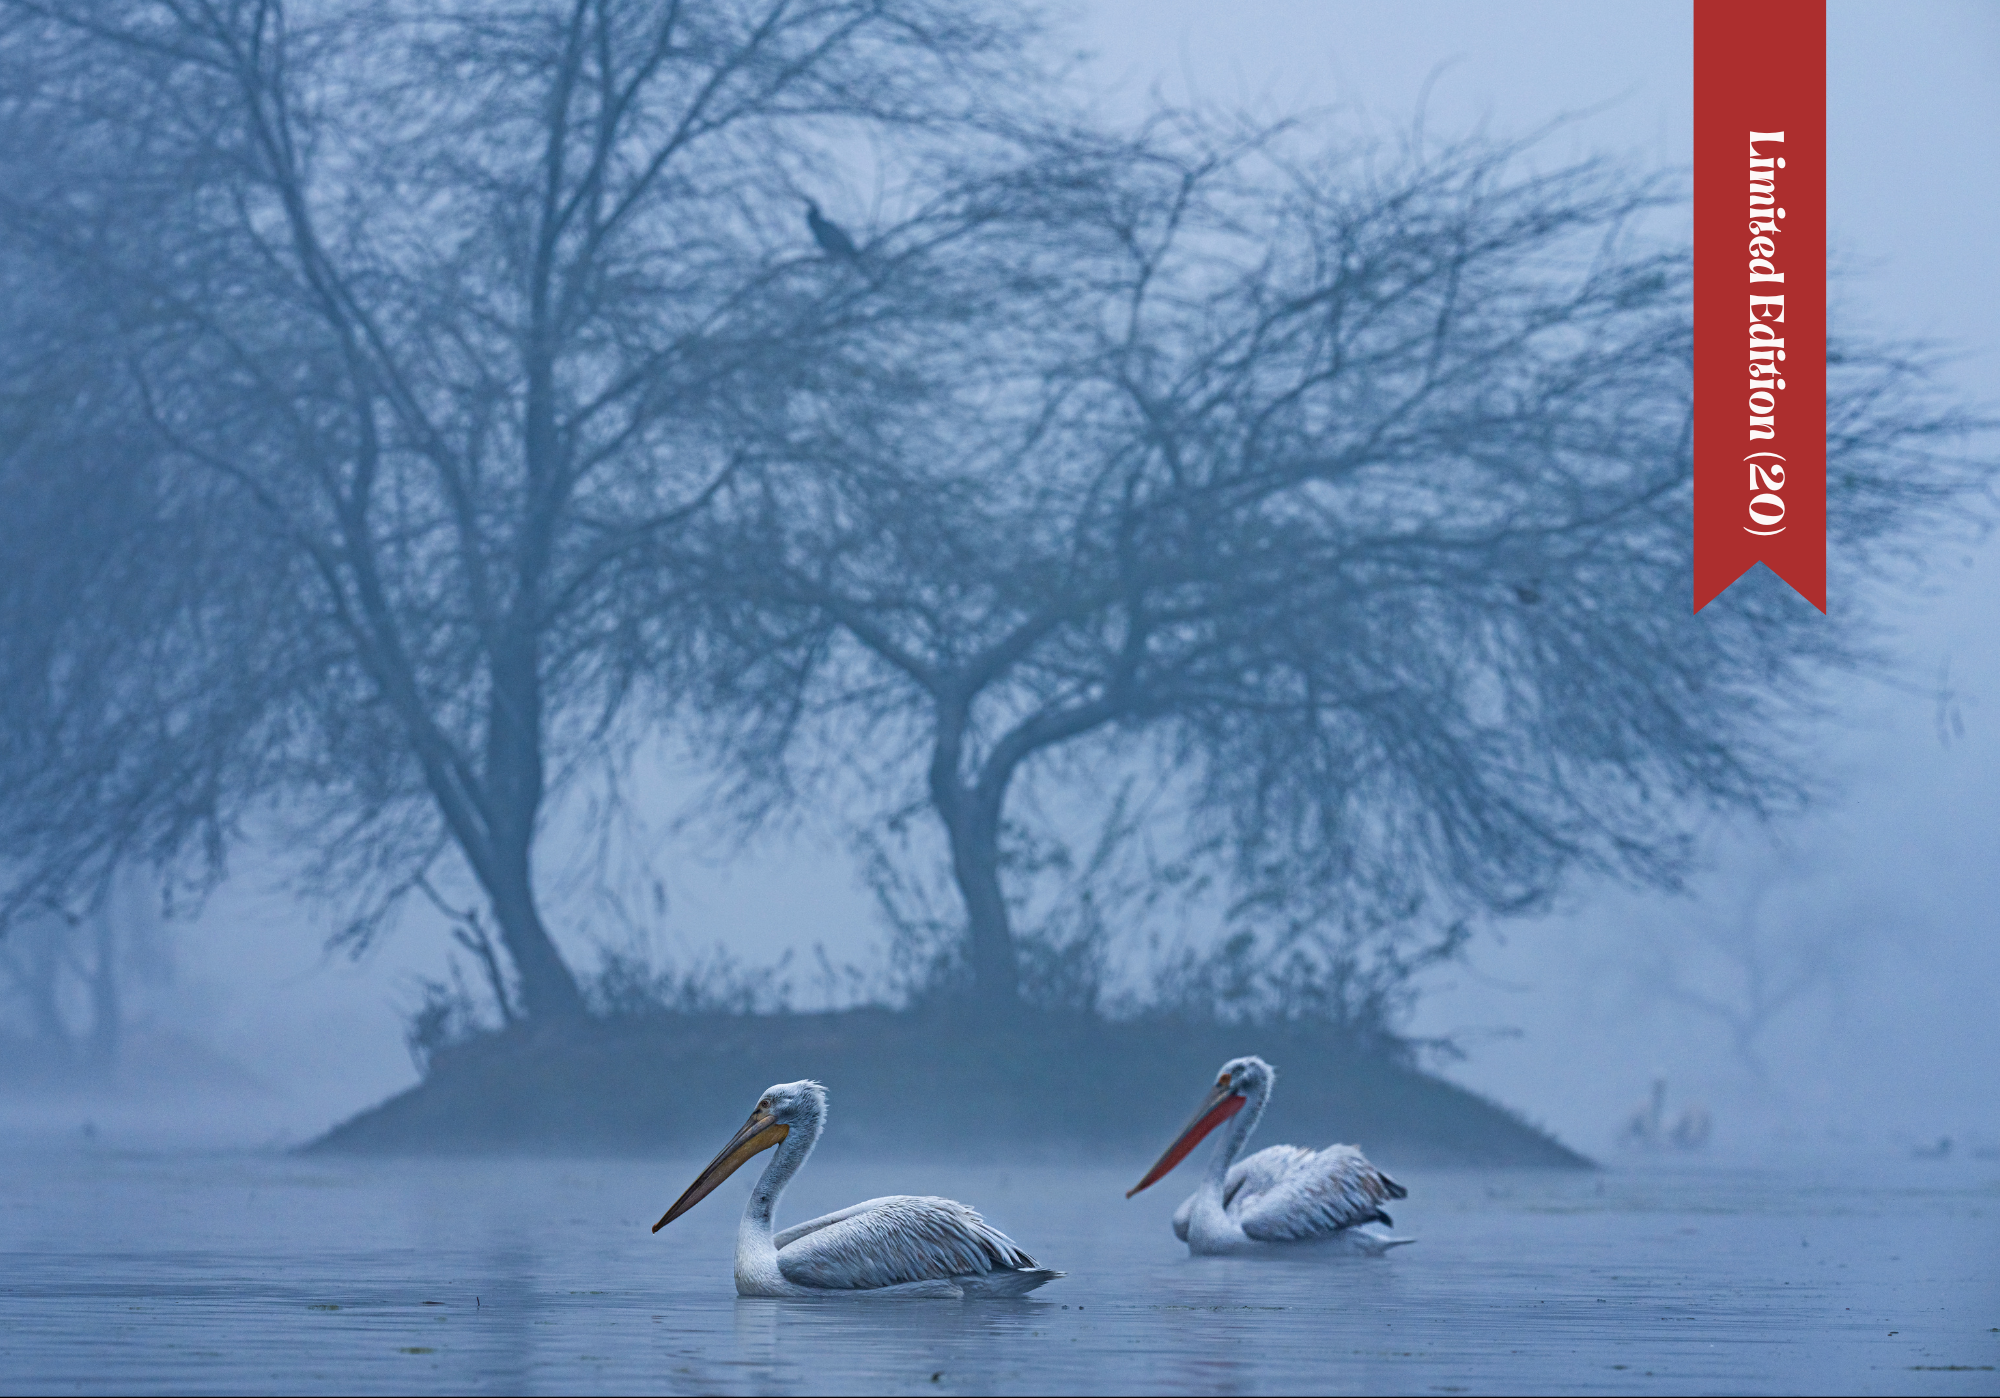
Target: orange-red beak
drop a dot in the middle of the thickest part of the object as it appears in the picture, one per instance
(1222, 1103)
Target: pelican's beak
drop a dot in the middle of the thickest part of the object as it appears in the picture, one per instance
(759, 1133)
(1222, 1103)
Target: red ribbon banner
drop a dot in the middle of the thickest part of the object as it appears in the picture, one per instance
(1759, 294)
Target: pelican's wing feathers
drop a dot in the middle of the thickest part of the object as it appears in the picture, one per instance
(1319, 1193)
(1261, 1173)
(784, 1237)
(893, 1240)
(1247, 1178)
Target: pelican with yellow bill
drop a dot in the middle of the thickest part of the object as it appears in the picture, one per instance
(901, 1245)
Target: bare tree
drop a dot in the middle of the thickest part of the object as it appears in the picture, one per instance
(1347, 494)
(107, 735)
(1767, 952)
(423, 313)
(64, 974)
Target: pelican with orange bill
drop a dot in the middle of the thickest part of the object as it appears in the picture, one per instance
(1281, 1196)
(901, 1245)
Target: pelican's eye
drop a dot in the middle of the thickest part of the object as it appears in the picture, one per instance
(765, 1105)
(1222, 1081)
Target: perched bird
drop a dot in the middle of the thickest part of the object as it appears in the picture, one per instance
(831, 237)
(903, 1245)
(1281, 1195)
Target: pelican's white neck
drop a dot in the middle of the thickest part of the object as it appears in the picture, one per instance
(756, 1256)
(1230, 1145)
(786, 1159)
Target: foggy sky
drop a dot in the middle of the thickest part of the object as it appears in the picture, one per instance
(1898, 1044)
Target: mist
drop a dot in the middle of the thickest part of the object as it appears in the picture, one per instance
(1876, 903)
(560, 564)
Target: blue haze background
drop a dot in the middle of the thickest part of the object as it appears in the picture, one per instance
(1888, 893)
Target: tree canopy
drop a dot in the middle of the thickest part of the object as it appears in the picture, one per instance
(1348, 494)
(426, 311)
(411, 409)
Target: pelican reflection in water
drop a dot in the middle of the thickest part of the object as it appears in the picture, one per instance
(904, 1245)
(1282, 1195)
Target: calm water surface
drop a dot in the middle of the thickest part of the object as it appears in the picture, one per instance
(165, 1273)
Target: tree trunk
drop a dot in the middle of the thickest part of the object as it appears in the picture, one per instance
(514, 790)
(106, 1021)
(975, 866)
(971, 817)
(548, 989)
(43, 990)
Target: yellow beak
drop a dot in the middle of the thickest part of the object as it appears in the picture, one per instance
(759, 1133)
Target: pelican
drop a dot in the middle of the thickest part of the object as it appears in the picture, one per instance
(1282, 1194)
(904, 1245)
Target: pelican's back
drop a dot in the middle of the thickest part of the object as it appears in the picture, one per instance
(1247, 1178)
(1318, 1194)
(904, 1238)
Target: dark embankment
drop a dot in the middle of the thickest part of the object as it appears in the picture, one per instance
(1044, 1087)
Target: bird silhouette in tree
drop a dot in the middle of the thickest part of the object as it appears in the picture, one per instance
(831, 237)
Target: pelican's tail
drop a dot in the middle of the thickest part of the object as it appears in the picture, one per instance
(943, 1289)
(1374, 1244)
(1005, 1282)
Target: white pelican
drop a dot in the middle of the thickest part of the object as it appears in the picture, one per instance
(899, 1245)
(1282, 1194)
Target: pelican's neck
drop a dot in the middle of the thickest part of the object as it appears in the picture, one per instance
(753, 1235)
(1230, 1144)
